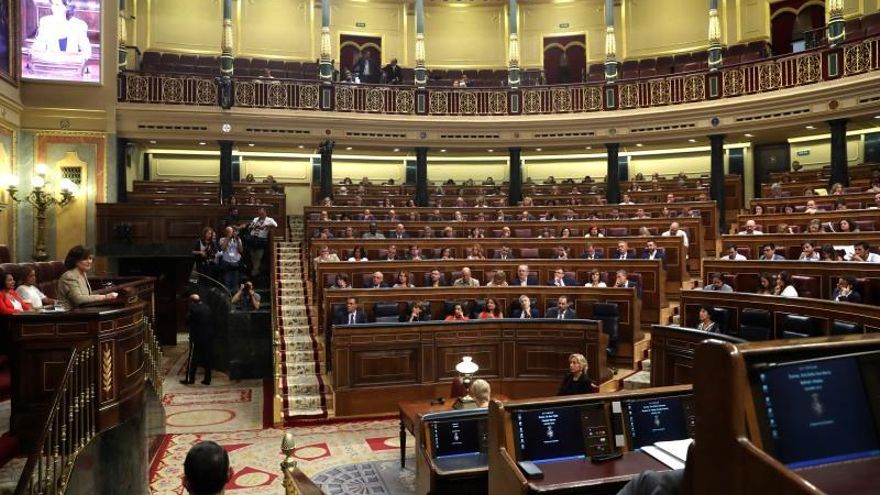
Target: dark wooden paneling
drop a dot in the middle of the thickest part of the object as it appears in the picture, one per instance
(377, 366)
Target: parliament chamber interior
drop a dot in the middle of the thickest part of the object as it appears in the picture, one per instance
(440, 247)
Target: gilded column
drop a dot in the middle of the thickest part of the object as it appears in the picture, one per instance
(122, 35)
(421, 72)
(714, 37)
(836, 25)
(513, 72)
(326, 64)
(226, 57)
(610, 44)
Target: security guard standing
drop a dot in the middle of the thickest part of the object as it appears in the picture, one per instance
(201, 340)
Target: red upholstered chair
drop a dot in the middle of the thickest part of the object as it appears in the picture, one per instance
(528, 253)
(745, 282)
(616, 232)
(865, 225)
(854, 29)
(522, 232)
(807, 286)
(664, 65)
(150, 62)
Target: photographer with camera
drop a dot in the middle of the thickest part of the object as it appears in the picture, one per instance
(229, 258)
(258, 239)
(246, 299)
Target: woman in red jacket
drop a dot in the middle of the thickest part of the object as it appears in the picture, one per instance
(10, 301)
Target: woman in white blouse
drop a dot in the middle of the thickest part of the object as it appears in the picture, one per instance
(785, 286)
(595, 279)
(29, 291)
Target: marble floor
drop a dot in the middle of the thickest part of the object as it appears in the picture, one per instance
(357, 457)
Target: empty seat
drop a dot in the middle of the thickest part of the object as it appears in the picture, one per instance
(664, 65)
(845, 328)
(386, 310)
(609, 315)
(797, 326)
(806, 286)
(151, 61)
(528, 253)
(629, 69)
(755, 324)
(721, 317)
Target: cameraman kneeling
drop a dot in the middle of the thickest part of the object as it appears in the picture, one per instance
(246, 299)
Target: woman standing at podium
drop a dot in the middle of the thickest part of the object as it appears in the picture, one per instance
(73, 285)
(576, 381)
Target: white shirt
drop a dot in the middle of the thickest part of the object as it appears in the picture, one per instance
(738, 257)
(812, 257)
(31, 295)
(260, 226)
(680, 233)
(231, 254)
(872, 257)
(600, 284)
(362, 259)
(789, 291)
(746, 232)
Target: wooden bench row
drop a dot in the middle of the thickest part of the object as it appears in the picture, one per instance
(865, 220)
(522, 230)
(523, 250)
(631, 337)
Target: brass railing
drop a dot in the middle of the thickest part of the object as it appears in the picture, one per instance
(788, 71)
(295, 482)
(153, 357)
(69, 427)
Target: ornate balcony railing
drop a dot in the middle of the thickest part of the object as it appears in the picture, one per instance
(762, 76)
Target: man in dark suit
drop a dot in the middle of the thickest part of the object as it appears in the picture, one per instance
(622, 252)
(390, 254)
(590, 253)
(522, 277)
(200, 320)
(378, 281)
(561, 311)
(525, 311)
(505, 253)
(393, 74)
(652, 253)
(351, 315)
(622, 280)
(366, 69)
(561, 280)
(399, 232)
(845, 291)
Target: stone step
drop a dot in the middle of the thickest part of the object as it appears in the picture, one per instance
(646, 365)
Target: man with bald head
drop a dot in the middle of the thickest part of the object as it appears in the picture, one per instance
(466, 280)
(378, 281)
(675, 231)
(751, 228)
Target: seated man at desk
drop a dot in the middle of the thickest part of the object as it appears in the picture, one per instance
(73, 286)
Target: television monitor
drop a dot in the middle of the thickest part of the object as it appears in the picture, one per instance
(458, 437)
(647, 421)
(798, 46)
(552, 433)
(61, 40)
(819, 411)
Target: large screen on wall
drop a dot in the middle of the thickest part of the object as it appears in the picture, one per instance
(61, 40)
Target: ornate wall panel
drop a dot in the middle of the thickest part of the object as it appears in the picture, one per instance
(191, 26)
(467, 37)
(276, 29)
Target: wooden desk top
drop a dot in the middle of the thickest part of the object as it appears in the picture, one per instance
(412, 410)
(851, 478)
(582, 473)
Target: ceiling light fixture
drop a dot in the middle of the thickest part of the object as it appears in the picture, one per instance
(251, 145)
(749, 135)
(639, 145)
(202, 143)
(442, 151)
(692, 140)
(348, 148)
(811, 127)
(538, 149)
(152, 141)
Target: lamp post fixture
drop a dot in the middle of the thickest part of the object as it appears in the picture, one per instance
(41, 198)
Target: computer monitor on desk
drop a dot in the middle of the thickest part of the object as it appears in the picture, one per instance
(457, 439)
(660, 419)
(565, 432)
(819, 411)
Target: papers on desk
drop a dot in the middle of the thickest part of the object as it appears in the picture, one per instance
(672, 453)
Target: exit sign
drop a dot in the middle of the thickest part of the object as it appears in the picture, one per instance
(564, 25)
(803, 153)
(361, 24)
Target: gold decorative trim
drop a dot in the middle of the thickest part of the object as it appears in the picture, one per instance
(107, 368)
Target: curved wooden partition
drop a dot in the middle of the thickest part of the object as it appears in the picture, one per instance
(42, 344)
(379, 365)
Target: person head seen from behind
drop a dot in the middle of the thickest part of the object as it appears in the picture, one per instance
(206, 469)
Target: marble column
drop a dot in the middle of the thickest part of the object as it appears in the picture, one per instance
(612, 176)
(839, 163)
(421, 176)
(421, 72)
(836, 25)
(515, 174)
(714, 37)
(513, 72)
(611, 72)
(226, 189)
(326, 61)
(226, 58)
(716, 185)
(327, 168)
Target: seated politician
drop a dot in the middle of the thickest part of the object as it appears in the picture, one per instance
(73, 286)
(10, 301)
(576, 380)
(525, 310)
